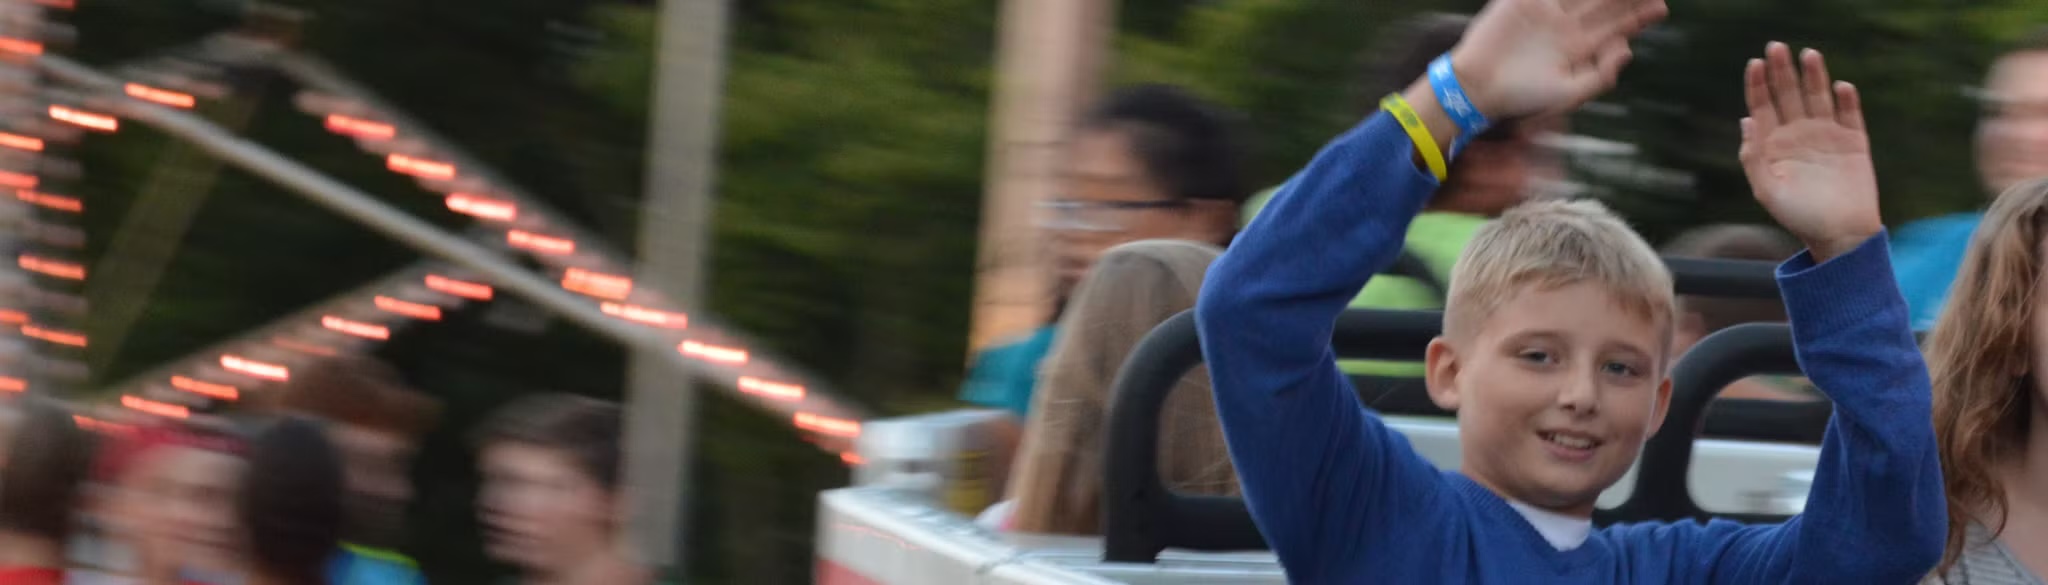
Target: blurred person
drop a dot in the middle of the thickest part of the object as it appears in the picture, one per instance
(166, 494)
(1988, 355)
(2012, 146)
(1056, 480)
(291, 504)
(1495, 171)
(47, 456)
(551, 503)
(1149, 162)
(375, 421)
(1700, 316)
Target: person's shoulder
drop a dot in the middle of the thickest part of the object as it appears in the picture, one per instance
(1986, 559)
(1014, 352)
(357, 565)
(379, 556)
(1003, 374)
(1938, 227)
(1021, 344)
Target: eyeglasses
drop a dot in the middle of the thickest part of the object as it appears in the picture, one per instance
(1097, 216)
(1994, 108)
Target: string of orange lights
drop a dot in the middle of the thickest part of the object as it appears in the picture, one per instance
(44, 302)
(503, 217)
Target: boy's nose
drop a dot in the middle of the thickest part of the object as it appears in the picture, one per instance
(1579, 396)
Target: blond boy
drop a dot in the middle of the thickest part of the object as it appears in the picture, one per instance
(1555, 345)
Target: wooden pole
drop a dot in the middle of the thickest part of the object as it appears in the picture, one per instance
(675, 220)
(1049, 59)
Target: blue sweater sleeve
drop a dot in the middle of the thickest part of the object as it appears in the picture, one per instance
(1324, 478)
(1876, 513)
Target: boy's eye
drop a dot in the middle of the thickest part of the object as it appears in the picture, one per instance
(1537, 356)
(1620, 369)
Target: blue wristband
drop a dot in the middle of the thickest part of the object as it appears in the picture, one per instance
(1452, 97)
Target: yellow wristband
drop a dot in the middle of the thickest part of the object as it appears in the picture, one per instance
(1432, 155)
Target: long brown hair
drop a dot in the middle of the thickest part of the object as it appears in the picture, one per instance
(1980, 357)
(1057, 478)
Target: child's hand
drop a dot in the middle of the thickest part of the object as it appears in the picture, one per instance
(1806, 153)
(1527, 57)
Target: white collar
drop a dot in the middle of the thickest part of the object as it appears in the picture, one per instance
(1562, 531)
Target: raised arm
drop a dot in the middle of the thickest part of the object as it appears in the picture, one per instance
(1319, 471)
(1876, 513)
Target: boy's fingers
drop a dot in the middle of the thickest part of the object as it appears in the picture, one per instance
(1604, 22)
(1757, 93)
(1650, 12)
(1587, 12)
(1816, 91)
(1848, 106)
(1578, 33)
(1784, 82)
(1748, 149)
(1606, 69)
(1601, 19)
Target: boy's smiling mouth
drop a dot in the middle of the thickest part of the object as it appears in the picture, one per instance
(1570, 445)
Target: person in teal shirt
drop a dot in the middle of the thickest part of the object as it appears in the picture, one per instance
(375, 420)
(360, 565)
(1496, 171)
(1150, 162)
(1002, 376)
(2012, 147)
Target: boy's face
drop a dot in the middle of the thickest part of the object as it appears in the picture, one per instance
(1555, 392)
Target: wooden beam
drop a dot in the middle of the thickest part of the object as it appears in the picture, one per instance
(1049, 60)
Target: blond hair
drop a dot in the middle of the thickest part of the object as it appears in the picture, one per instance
(1980, 359)
(1550, 244)
(1057, 478)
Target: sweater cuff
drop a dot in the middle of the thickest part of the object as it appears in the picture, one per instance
(1851, 288)
(1411, 157)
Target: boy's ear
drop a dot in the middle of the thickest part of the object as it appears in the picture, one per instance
(1441, 368)
(1663, 407)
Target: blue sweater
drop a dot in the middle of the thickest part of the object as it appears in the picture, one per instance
(1343, 499)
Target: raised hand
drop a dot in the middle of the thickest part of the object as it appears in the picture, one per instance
(1806, 152)
(1526, 57)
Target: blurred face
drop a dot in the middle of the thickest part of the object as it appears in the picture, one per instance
(2012, 137)
(177, 505)
(377, 464)
(1111, 200)
(1555, 394)
(540, 512)
(1501, 168)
